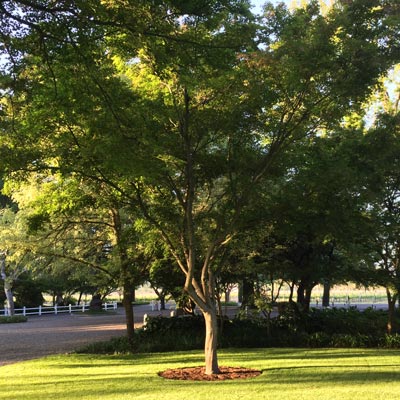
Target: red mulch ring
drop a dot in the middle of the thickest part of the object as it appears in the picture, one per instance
(197, 374)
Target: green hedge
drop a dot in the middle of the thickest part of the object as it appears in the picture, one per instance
(13, 319)
(319, 328)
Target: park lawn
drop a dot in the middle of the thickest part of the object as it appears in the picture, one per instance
(331, 374)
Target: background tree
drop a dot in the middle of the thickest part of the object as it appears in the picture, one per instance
(83, 231)
(379, 152)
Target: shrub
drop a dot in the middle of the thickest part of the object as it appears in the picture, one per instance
(171, 334)
(352, 341)
(319, 339)
(164, 325)
(244, 333)
(13, 319)
(335, 321)
(390, 341)
(292, 330)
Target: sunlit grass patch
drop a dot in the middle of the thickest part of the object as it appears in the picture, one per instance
(287, 374)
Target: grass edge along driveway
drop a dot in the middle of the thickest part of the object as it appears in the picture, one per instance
(287, 374)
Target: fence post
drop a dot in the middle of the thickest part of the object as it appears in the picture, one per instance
(83, 307)
(24, 311)
(70, 308)
(115, 305)
(40, 310)
(55, 309)
(105, 306)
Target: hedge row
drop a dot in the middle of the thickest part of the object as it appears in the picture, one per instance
(319, 328)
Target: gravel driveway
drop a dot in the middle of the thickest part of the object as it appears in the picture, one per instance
(63, 333)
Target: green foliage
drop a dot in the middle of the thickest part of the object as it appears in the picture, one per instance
(187, 333)
(345, 321)
(390, 341)
(12, 319)
(28, 291)
(175, 333)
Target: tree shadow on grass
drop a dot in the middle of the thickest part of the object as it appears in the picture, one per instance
(308, 354)
(343, 375)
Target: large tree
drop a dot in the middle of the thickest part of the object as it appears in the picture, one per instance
(175, 107)
(82, 229)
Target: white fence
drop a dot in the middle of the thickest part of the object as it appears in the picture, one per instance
(57, 309)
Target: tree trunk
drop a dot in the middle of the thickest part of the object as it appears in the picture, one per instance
(291, 292)
(307, 298)
(10, 297)
(391, 311)
(129, 316)
(127, 280)
(247, 293)
(326, 294)
(162, 301)
(80, 298)
(304, 294)
(211, 342)
(7, 286)
(301, 293)
(59, 299)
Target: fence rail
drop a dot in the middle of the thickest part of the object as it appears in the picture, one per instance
(57, 309)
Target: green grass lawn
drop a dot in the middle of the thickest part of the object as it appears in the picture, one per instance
(331, 374)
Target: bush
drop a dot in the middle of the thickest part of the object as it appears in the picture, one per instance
(352, 341)
(12, 319)
(159, 335)
(164, 325)
(244, 333)
(320, 328)
(390, 341)
(171, 334)
(335, 321)
(319, 339)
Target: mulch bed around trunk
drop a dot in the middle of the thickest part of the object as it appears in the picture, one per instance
(197, 374)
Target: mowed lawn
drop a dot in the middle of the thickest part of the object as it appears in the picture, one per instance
(287, 374)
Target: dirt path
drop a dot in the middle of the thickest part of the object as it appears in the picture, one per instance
(54, 334)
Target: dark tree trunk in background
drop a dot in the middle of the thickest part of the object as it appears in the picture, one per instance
(326, 294)
(391, 323)
(247, 293)
(304, 291)
(127, 302)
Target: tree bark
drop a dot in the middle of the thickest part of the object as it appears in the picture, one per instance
(129, 316)
(391, 311)
(211, 342)
(9, 296)
(291, 286)
(304, 294)
(247, 293)
(307, 298)
(326, 294)
(7, 286)
(301, 293)
(126, 278)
